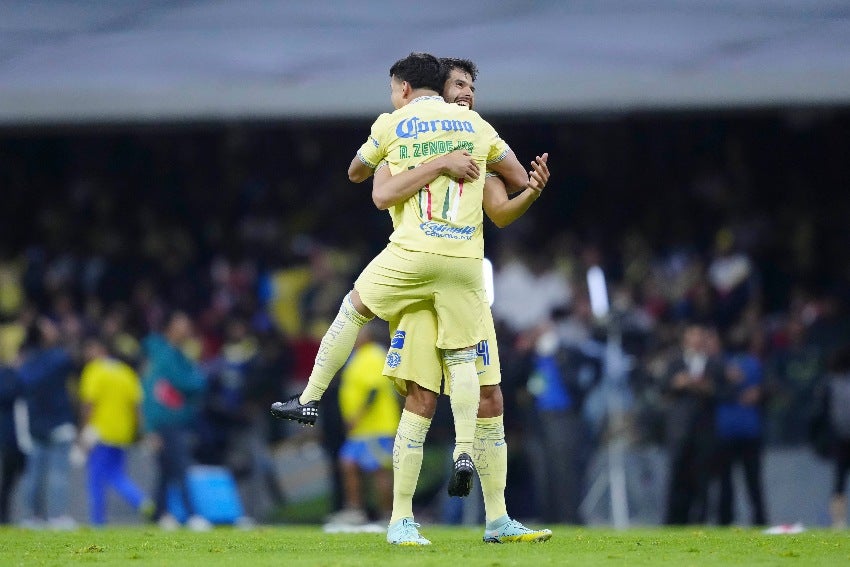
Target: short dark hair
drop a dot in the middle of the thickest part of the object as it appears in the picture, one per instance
(421, 70)
(464, 65)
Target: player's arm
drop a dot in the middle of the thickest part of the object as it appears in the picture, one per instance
(359, 171)
(511, 171)
(389, 190)
(503, 210)
(370, 153)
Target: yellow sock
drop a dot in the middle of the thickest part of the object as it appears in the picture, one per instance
(465, 395)
(491, 461)
(407, 462)
(334, 350)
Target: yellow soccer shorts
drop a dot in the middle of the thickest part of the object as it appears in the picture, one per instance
(413, 355)
(397, 280)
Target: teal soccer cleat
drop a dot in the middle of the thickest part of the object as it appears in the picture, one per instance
(512, 531)
(405, 532)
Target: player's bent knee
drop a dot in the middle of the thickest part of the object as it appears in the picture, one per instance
(419, 400)
(492, 403)
(358, 304)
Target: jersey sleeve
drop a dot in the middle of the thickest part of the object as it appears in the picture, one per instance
(374, 149)
(498, 148)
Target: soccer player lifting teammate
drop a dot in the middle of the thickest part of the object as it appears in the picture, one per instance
(435, 250)
(414, 362)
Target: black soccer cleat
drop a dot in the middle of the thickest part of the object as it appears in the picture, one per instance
(294, 410)
(461, 481)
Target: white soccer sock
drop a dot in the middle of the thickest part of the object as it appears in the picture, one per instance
(465, 395)
(491, 462)
(407, 462)
(334, 350)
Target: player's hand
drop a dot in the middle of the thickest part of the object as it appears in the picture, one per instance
(538, 177)
(460, 165)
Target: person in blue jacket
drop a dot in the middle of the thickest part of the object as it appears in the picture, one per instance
(44, 371)
(739, 428)
(173, 392)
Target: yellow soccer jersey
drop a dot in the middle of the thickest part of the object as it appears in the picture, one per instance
(114, 391)
(444, 217)
(362, 374)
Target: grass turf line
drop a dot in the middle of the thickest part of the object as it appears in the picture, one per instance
(301, 545)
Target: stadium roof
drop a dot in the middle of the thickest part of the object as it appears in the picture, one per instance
(88, 60)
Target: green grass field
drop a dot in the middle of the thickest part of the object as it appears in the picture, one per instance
(453, 546)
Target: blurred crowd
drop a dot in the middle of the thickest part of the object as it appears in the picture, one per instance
(715, 336)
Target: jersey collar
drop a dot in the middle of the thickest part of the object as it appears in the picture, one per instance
(427, 97)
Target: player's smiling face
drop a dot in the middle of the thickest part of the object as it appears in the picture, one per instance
(459, 89)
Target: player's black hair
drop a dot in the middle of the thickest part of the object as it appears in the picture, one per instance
(421, 70)
(464, 65)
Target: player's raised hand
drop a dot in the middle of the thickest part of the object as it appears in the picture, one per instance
(460, 165)
(538, 177)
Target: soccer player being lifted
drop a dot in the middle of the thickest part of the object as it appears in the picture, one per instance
(413, 361)
(435, 251)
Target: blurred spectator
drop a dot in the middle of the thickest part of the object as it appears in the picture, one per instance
(120, 342)
(528, 291)
(45, 371)
(838, 400)
(11, 290)
(267, 378)
(223, 417)
(692, 380)
(371, 411)
(794, 370)
(173, 387)
(558, 384)
(731, 273)
(111, 396)
(12, 460)
(739, 426)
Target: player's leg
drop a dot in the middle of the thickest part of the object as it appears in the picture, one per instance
(379, 290)
(419, 408)
(460, 301)
(464, 402)
(334, 350)
(491, 462)
(413, 362)
(336, 345)
(490, 454)
(491, 451)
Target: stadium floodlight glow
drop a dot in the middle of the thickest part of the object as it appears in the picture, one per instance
(598, 291)
(489, 287)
